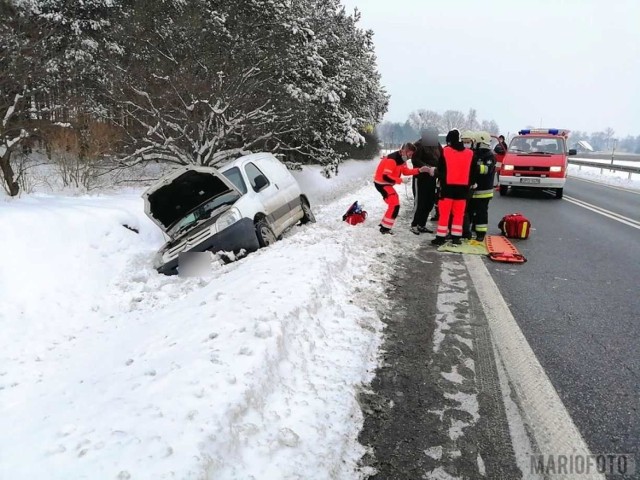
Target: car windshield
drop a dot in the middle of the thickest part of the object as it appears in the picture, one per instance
(235, 177)
(525, 144)
(203, 211)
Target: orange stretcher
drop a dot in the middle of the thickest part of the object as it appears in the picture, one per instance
(502, 250)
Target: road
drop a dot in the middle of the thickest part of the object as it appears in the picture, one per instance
(577, 302)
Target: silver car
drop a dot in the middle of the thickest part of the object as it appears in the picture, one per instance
(245, 205)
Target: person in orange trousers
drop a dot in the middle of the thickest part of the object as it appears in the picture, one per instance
(388, 173)
(456, 172)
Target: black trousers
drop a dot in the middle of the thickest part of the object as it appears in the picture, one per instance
(424, 197)
(479, 214)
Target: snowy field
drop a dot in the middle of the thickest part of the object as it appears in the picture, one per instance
(610, 177)
(109, 370)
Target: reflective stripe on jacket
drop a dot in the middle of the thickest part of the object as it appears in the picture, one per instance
(390, 168)
(486, 164)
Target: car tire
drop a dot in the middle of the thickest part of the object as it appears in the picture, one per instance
(504, 189)
(307, 214)
(559, 192)
(265, 234)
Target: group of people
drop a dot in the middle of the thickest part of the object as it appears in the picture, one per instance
(457, 179)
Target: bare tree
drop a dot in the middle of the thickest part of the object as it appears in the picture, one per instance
(422, 119)
(453, 119)
(471, 122)
(608, 136)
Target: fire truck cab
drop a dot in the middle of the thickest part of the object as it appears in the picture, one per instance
(536, 158)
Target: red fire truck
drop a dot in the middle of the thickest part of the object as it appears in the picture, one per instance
(536, 158)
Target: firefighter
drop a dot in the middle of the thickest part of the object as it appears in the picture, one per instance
(456, 173)
(485, 162)
(388, 174)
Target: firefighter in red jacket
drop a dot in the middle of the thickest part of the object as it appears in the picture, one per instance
(388, 174)
(456, 172)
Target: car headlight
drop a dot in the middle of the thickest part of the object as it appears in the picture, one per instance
(227, 219)
(507, 167)
(555, 169)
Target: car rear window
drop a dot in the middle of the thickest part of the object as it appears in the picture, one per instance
(235, 177)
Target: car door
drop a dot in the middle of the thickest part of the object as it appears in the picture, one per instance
(289, 190)
(268, 192)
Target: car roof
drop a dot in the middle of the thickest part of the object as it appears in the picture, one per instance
(246, 158)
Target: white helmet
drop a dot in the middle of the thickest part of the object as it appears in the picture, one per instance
(468, 137)
(482, 139)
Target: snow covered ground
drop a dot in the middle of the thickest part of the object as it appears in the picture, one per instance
(610, 177)
(110, 370)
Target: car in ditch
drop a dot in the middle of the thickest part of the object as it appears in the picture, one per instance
(245, 205)
(536, 158)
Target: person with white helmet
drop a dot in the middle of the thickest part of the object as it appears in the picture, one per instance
(485, 162)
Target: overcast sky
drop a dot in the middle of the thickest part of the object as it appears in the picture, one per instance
(561, 63)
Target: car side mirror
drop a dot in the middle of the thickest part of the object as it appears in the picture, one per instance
(499, 150)
(573, 151)
(261, 182)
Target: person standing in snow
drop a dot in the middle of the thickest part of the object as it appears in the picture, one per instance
(456, 173)
(485, 162)
(388, 173)
(428, 153)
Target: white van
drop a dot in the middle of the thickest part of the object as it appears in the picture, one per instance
(245, 205)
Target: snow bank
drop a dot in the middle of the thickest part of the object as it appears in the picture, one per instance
(109, 370)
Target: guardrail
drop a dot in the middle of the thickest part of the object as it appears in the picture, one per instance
(606, 166)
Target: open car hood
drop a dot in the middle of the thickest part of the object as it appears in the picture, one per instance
(181, 191)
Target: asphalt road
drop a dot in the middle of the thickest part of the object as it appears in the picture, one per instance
(577, 302)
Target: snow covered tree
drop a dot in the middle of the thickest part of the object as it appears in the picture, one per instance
(51, 60)
(192, 81)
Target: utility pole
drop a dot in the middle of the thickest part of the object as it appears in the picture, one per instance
(613, 150)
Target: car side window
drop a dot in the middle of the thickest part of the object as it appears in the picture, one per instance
(235, 177)
(254, 174)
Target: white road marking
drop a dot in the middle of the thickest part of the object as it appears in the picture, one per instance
(547, 418)
(602, 211)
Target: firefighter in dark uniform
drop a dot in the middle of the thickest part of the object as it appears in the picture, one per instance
(388, 174)
(485, 162)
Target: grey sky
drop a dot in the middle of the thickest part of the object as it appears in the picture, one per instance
(564, 63)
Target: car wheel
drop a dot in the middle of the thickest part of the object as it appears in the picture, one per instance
(559, 192)
(504, 189)
(307, 214)
(265, 235)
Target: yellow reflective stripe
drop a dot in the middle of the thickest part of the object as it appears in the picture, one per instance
(523, 233)
(482, 228)
(483, 194)
(484, 169)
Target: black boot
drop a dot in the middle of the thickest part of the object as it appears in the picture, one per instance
(438, 241)
(456, 241)
(480, 236)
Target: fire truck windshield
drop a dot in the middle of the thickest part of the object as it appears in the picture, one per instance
(530, 144)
